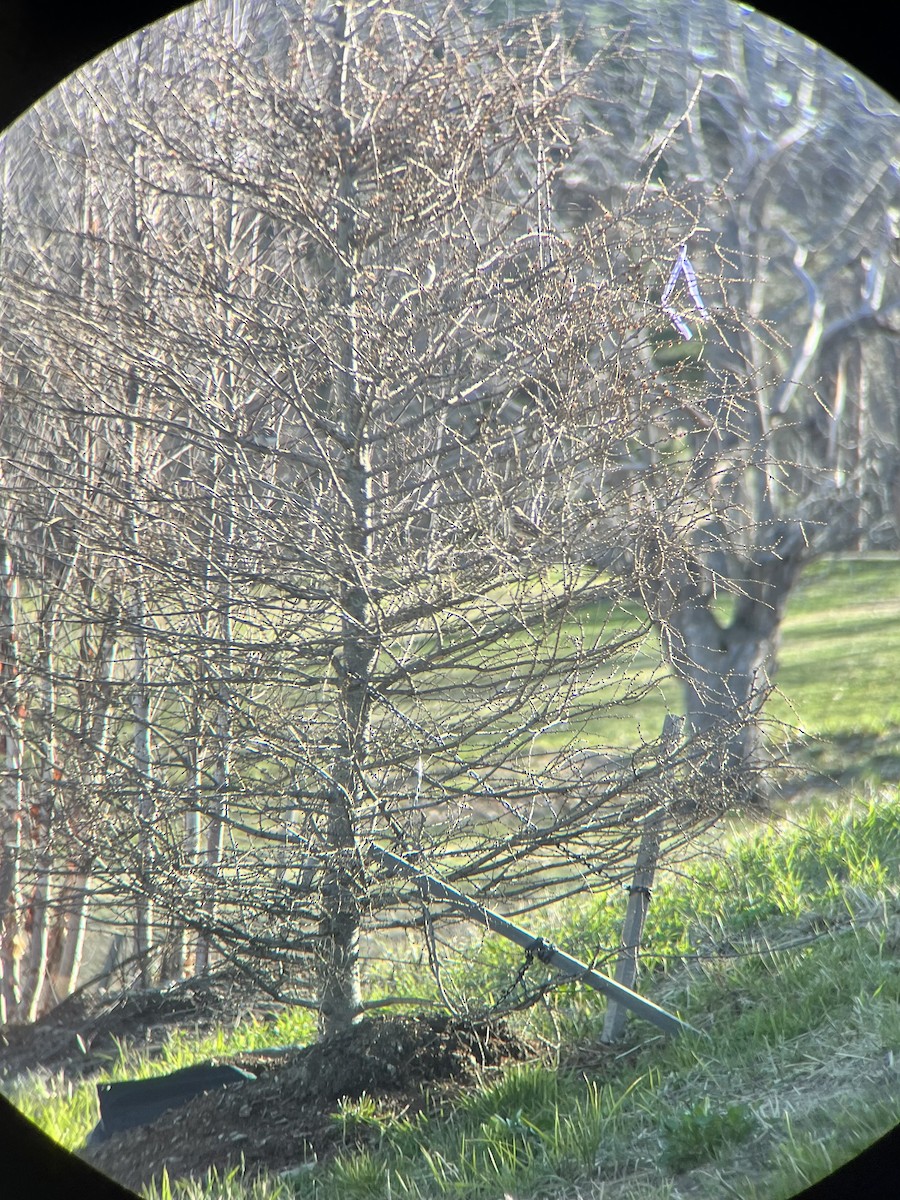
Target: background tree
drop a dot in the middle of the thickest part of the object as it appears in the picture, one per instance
(787, 166)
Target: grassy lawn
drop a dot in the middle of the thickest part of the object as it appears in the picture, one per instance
(780, 942)
(841, 648)
(839, 671)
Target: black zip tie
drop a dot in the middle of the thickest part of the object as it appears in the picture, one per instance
(541, 949)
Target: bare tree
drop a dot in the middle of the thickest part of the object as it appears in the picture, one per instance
(361, 403)
(69, 617)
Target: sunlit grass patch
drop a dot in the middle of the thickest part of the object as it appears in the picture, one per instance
(840, 653)
(229, 1186)
(65, 1109)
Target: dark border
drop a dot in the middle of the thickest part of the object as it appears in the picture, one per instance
(41, 43)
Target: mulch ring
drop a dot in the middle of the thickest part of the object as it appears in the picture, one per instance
(290, 1115)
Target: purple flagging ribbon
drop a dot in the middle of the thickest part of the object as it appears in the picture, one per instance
(682, 267)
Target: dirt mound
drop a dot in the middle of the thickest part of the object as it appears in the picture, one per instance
(381, 1055)
(289, 1115)
(82, 1033)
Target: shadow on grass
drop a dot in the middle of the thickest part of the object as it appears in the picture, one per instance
(849, 760)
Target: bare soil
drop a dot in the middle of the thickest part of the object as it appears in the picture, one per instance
(82, 1035)
(291, 1114)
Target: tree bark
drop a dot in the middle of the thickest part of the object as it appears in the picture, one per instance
(727, 669)
(11, 814)
(142, 738)
(340, 993)
(45, 810)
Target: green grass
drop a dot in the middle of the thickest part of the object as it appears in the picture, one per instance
(781, 942)
(840, 656)
(839, 666)
(800, 1004)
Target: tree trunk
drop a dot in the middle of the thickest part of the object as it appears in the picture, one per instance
(340, 993)
(191, 947)
(727, 670)
(221, 780)
(97, 662)
(74, 905)
(43, 819)
(142, 740)
(142, 752)
(11, 814)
